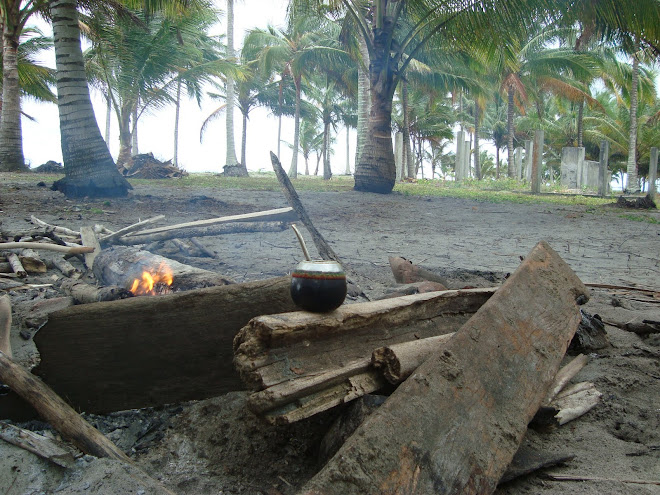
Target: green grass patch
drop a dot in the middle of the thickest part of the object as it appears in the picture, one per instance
(640, 218)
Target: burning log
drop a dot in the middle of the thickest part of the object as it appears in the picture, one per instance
(472, 402)
(123, 265)
(150, 351)
(83, 293)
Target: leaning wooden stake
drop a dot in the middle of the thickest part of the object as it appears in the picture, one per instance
(322, 246)
(454, 425)
(57, 412)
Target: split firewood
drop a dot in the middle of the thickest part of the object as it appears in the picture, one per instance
(471, 403)
(31, 261)
(5, 324)
(131, 228)
(211, 230)
(69, 248)
(155, 350)
(44, 447)
(565, 375)
(406, 273)
(575, 401)
(88, 238)
(16, 265)
(54, 228)
(122, 265)
(203, 249)
(67, 269)
(276, 214)
(322, 246)
(644, 327)
(83, 293)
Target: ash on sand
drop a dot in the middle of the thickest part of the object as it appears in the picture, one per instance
(216, 446)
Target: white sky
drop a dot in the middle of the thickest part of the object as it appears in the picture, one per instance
(41, 140)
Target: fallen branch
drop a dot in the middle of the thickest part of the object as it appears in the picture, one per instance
(232, 218)
(83, 293)
(16, 265)
(567, 477)
(220, 229)
(68, 249)
(67, 269)
(131, 228)
(54, 228)
(322, 246)
(645, 327)
(57, 412)
(44, 447)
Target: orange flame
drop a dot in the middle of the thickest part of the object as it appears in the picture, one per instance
(153, 282)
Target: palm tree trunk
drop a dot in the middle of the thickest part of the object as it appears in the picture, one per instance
(11, 137)
(177, 114)
(293, 171)
(348, 151)
(511, 168)
(244, 143)
(135, 149)
(327, 171)
(477, 165)
(376, 172)
(407, 152)
(232, 167)
(88, 166)
(108, 118)
(125, 137)
(497, 162)
(364, 97)
(279, 117)
(580, 124)
(633, 181)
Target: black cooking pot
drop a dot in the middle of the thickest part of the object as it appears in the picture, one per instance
(318, 286)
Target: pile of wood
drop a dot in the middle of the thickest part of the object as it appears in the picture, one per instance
(145, 166)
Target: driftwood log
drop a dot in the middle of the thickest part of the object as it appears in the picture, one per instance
(121, 265)
(83, 293)
(303, 363)
(461, 416)
(5, 324)
(150, 351)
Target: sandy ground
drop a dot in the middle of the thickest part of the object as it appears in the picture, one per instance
(216, 446)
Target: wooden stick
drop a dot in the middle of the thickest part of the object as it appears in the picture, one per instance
(203, 248)
(54, 228)
(211, 221)
(88, 238)
(16, 264)
(219, 229)
(5, 324)
(130, 228)
(322, 246)
(566, 477)
(44, 447)
(565, 375)
(57, 412)
(67, 269)
(69, 249)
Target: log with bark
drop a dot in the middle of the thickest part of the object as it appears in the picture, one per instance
(302, 363)
(150, 351)
(121, 265)
(460, 417)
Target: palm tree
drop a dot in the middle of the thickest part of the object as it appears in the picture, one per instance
(88, 166)
(309, 43)
(14, 16)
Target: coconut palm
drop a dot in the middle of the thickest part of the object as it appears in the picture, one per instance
(14, 15)
(310, 43)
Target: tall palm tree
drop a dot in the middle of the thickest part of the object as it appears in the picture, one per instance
(309, 43)
(14, 16)
(88, 166)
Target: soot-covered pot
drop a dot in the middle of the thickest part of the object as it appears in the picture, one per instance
(318, 286)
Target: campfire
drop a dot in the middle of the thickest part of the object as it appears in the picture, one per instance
(153, 282)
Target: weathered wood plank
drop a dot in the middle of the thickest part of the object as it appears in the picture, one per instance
(455, 424)
(148, 351)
